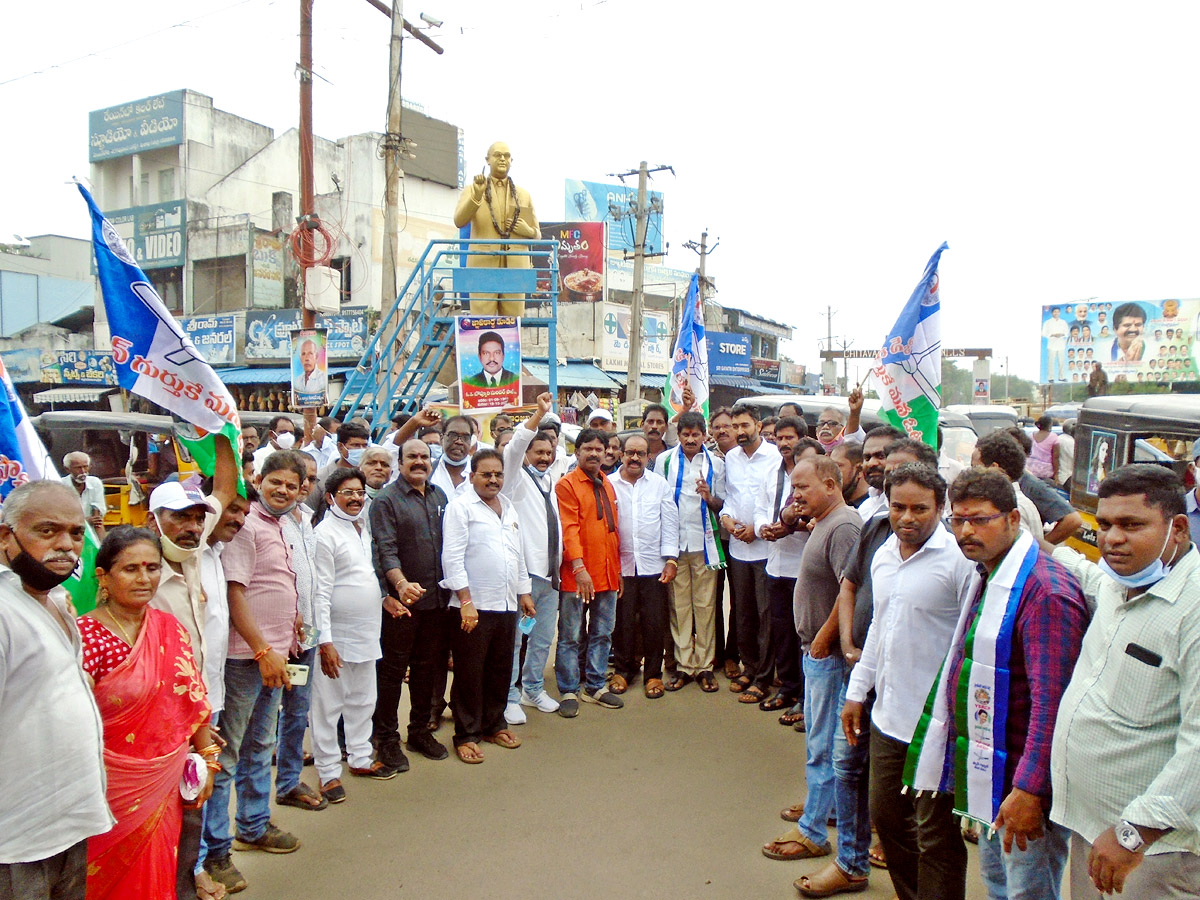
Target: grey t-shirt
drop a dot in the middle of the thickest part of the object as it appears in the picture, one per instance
(825, 556)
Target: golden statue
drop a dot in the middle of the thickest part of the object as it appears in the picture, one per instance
(497, 208)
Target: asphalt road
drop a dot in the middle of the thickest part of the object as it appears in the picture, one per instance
(668, 798)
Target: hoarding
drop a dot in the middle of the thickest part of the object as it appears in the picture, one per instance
(213, 336)
(582, 260)
(23, 364)
(765, 369)
(135, 127)
(156, 235)
(488, 349)
(661, 281)
(268, 334)
(656, 342)
(728, 354)
(268, 271)
(310, 367)
(78, 367)
(588, 201)
(1141, 342)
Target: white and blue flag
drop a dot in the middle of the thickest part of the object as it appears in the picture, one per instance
(689, 362)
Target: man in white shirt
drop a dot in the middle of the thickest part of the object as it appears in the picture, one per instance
(920, 582)
(696, 481)
(1054, 332)
(875, 453)
(346, 607)
(748, 466)
(648, 528)
(47, 714)
(452, 470)
(1001, 451)
(281, 435)
(529, 484)
(323, 446)
(89, 488)
(484, 566)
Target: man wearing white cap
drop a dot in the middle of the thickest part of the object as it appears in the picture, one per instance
(602, 419)
(184, 518)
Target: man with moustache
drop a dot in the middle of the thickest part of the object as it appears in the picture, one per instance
(874, 454)
(529, 484)
(406, 526)
(817, 494)
(654, 430)
(281, 435)
(749, 465)
(453, 469)
(721, 441)
(1009, 662)
(52, 783)
(849, 457)
(89, 488)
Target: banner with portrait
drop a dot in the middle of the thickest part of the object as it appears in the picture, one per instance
(1140, 342)
(310, 367)
(489, 362)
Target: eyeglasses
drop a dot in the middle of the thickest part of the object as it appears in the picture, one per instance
(353, 495)
(828, 423)
(458, 437)
(974, 521)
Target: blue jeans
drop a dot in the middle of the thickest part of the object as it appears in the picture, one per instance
(532, 679)
(248, 725)
(824, 691)
(293, 722)
(1035, 873)
(602, 616)
(853, 799)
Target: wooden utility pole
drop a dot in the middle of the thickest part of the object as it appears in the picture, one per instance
(633, 389)
(307, 191)
(393, 147)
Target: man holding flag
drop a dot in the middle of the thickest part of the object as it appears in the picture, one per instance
(689, 361)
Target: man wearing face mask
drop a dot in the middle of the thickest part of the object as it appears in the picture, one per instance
(352, 442)
(323, 446)
(47, 713)
(1127, 740)
(89, 488)
(281, 435)
(451, 472)
(263, 611)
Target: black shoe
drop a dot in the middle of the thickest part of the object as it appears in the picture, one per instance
(392, 755)
(222, 870)
(427, 745)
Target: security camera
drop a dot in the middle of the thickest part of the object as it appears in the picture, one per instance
(431, 21)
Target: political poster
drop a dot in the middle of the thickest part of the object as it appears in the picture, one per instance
(310, 367)
(1139, 342)
(489, 362)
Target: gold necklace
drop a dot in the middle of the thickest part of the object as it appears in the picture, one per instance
(124, 633)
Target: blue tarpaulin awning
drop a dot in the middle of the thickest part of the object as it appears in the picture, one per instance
(573, 375)
(268, 374)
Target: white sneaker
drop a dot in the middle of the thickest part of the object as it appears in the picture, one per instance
(514, 715)
(543, 702)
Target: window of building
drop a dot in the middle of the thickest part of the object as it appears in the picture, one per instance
(219, 285)
(166, 184)
(341, 265)
(169, 284)
(143, 198)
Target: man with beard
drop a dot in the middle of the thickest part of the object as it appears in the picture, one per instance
(452, 469)
(748, 466)
(52, 784)
(406, 526)
(849, 457)
(654, 430)
(376, 467)
(874, 454)
(89, 488)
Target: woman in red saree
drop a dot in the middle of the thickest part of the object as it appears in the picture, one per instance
(155, 710)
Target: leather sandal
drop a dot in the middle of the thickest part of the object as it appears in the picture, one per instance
(654, 688)
(829, 881)
(469, 753)
(618, 685)
(793, 845)
(505, 739)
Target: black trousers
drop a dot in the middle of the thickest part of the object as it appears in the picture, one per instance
(752, 611)
(641, 609)
(62, 876)
(920, 835)
(419, 643)
(784, 640)
(724, 648)
(482, 670)
(189, 853)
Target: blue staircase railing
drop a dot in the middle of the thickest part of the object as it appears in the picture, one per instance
(414, 340)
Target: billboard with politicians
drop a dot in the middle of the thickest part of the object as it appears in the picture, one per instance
(1141, 341)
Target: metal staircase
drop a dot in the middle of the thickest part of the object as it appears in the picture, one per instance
(415, 337)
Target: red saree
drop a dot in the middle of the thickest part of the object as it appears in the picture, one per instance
(151, 705)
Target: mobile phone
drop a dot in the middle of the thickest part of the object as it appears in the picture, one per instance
(297, 674)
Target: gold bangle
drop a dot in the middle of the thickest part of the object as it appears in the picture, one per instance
(214, 766)
(210, 750)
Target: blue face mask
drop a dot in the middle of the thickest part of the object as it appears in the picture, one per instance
(1152, 574)
(354, 457)
(435, 452)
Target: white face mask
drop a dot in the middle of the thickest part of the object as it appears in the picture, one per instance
(1151, 574)
(345, 516)
(173, 551)
(285, 441)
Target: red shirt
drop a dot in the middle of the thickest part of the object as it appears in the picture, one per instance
(589, 530)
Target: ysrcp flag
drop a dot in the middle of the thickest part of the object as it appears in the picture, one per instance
(689, 362)
(154, 358)
(23, 458)
(908, 369)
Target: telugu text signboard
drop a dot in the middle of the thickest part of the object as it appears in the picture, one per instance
(213, 337)
(268, 333)
(145, 124)
(582, 260)
(268, 271)
(656, 344)
(728, 354)
(78, 367)
(155, 236)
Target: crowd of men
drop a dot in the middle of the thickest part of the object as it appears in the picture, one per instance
(922, 623)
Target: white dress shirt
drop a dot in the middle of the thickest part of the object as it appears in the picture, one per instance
(876, 503)
(648, 523)
(92, 497)
(441, 477)
(530, 504)
(744, 475)
(314, 382)
(216, 623)
(917, 604)
(346, 600)
(692, 507)
(482, 551)
(181, 593)
(52, 775)
(783, 555)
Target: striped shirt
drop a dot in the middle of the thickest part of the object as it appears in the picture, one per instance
(1127, 740)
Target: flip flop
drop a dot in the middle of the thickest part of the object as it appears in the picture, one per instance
(876, 857)
(469, 753)
(505, 739)
(678, 682)
(741, 683)
(302, 797)
(209, 889)
(776, 703)
(708, 683)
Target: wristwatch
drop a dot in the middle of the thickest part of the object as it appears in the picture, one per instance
(1128, 837)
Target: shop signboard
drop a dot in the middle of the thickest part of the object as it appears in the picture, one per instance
(268, 271)
(213, 336)
(156, 236)
(268, 334)
(582, 260)
(588, 201)
(24, 364)
(656, 342)
(78, 367)
(136, 127)
(728, 354)
(765, 369)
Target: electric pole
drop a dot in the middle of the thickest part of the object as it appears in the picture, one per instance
(703, 250)
(307, 191)
(393, 146)
(633, 390)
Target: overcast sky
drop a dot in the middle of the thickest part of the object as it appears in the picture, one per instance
(829, 147)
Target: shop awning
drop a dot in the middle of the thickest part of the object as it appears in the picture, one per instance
(72, 394)
(573, 375)
(277, 375)
(647, 381)
(750, 385)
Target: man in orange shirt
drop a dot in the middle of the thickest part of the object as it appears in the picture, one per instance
(590, 575)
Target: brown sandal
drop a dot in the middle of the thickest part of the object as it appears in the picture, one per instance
(654, 688)
(618, 684)
(793, 845)
(504, 738)
(752, 694)
(740, 684)
(469, 753)
(876, 857)
(829, 881)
